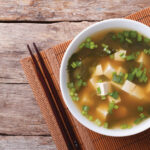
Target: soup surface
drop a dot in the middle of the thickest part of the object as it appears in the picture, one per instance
(109, 78)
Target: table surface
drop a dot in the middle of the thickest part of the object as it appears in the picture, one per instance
(46, 22)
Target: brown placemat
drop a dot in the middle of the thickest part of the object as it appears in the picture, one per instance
(89, 140)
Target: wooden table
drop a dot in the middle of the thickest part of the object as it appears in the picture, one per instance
(46, 22)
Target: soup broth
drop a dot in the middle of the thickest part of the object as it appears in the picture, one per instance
(109, 78)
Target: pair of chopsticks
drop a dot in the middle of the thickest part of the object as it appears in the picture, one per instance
(55, 102)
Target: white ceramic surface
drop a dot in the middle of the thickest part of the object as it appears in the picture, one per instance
(106, 24)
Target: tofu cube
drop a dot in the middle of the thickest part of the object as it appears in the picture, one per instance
(93, 82)
(111, 99)
(143, 58)
(98, 71)
(108, 71)
(134, 90)
(128, 86)
(118, 57)
(105, 88)
(102, 111)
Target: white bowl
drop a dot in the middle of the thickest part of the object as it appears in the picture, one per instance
(100, 26)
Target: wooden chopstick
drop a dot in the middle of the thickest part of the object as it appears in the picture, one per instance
(57, 99)
(63, 122)
(53, 106)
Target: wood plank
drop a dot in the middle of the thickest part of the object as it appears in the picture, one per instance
(19, 112)
(14, 37)
(26, 143)
(66, 10)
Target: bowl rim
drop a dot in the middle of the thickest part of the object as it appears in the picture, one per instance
(109, 132)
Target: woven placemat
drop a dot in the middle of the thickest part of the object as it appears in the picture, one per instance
(89, 140)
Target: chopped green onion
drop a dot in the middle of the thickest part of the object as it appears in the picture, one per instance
(84, 83)
(139, 73)
(92, 46)
(118, 78)
(141, 65)
(84, 113)
(85, 108)
(100, 81)
(116, 106)
(106, 48)
(143, 77)
(137, 53)
(120, 37)
(71, 93)
(80, 82)
(75, 98)
(98, 122)
(70, 85)
(103, 97)
(124, 126)
(129, 126)
(126, 76)
(78, 76)
(112, 56)
(133, 34)
(82, 45)
(91, 43)
(142, 116)
(73, 90)
(122, 55)
(106, 125)
(104, 45)
(114, 37)
(76, 64)
(147, 51)
(138, 120)
(88, 39)
(90, 118)
(128, 40)
(111, 107)
(139, 37)
(130, 76)
(146, 40)
(114, 94)
(131, 57)
(126, 33)
(98, 90)
(73, 65)
(87, 45)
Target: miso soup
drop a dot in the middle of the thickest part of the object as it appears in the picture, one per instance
(109, 78)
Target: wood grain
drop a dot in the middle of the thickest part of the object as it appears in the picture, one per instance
(26, 143)
(66, 10)
(20, 117)
(14, 37)
(19, 113)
